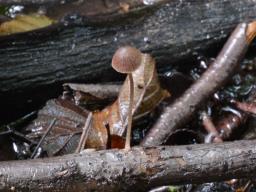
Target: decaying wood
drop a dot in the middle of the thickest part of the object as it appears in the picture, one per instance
(102, 91)
(25, 2)
(177, 114)
(173, 31)
(137, 170)
(88, 9)
(30, 67)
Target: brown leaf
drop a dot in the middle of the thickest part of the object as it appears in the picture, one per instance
(24, 23)
(66, 131)
(116, 142)
(70, 118)
(108, 125)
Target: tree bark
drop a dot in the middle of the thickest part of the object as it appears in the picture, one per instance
(172, 32)
(26, 2)
(138, 170)
(33, 67)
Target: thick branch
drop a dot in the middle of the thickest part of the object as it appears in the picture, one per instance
(176, 115)
(136, 170)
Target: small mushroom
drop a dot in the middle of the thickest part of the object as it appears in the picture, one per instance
(126, 60)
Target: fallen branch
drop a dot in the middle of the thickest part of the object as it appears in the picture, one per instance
(138, 170)
(216, 75)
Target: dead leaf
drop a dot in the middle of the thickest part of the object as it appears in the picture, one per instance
(108, 125)
(66, 131)
(125, 7)
(116, 142)
(24, 23)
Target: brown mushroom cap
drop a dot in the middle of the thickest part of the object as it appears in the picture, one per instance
(126, 59)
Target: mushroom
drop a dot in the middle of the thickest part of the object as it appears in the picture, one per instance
(126, 60)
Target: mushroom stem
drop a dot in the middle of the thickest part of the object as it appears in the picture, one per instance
(129, 129)
(126, 60)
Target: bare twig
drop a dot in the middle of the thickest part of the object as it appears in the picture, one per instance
(22, 137)
(42, 138)
(20, 121)
(85, 132)
(247, 186)
(213, 135)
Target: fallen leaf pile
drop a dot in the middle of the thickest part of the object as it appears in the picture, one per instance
(108, 125)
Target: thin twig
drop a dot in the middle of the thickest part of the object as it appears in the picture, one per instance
(20, 121)
(84, 135)
(17, 134)
(247, 186)
(3, 133)
(213, 134)
(43, 137)
(22, 137)
(57, 152)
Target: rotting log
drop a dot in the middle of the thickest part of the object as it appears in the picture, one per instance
(25, 2)
(138, 170)
(172, 32)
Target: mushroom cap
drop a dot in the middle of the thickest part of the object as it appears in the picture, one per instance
(126, 59)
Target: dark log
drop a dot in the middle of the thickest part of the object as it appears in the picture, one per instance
(138, 170)
(31, 66)
(25, 2)
(170, 33)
